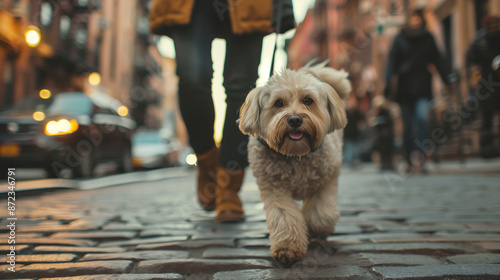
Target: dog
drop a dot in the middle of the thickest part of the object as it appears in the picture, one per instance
(295, 123)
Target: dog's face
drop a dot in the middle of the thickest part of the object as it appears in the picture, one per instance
(293, 112)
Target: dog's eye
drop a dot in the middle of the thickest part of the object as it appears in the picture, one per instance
(279, 103)
(308, 101)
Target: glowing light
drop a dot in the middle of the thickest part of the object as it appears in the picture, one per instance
(61, 127)
(38, 116)
(94, 79)
(51, 128)
(33, 36)
(122, 111)
(191, 159)
(45, 93)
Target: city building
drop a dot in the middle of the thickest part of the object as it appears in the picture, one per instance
(106, 38)
(356, 35)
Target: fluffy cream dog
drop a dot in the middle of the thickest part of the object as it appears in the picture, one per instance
(295, 152)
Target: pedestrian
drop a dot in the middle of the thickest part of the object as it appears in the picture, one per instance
(408, 82)
(382, 120)
(484, 55)
(193, 25)
(353, 142)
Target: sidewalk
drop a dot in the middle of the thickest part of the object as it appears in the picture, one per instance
(440, 226)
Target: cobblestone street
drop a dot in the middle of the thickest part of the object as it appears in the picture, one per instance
(438, 226)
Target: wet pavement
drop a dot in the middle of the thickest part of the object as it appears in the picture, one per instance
(439, 226)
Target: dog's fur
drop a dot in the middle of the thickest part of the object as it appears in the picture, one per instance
(307, 169)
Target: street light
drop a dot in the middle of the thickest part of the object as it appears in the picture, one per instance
(33, 36)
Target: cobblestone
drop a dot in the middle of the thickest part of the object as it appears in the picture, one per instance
(193, 266)
(398, 259)
(188, 244)
(71, 269)
(403, 229)
(230, 253)
(138, 241)
(262, 242)
(475, 258)
(454, 271)
(163, 276)
(139, 255)
(408, 248)
(341, 272)
(42, 258)
(72, 249)
(112, 235)
(54, 241)
(19, 248)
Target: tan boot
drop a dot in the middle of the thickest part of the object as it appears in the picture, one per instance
(207, 178)
(228, 204)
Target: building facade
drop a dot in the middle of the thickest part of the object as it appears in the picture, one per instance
(357, 35)
(79, 37)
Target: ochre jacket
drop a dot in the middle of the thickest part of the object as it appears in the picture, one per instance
(247, 16)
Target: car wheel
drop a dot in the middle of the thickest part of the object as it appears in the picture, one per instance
(125, 164)
(86, 167)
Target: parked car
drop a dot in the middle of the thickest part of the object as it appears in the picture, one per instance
(155, 149)
(70, 131)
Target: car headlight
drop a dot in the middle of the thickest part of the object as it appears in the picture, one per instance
(61, 127)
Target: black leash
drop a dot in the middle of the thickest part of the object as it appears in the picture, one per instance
(278, 29)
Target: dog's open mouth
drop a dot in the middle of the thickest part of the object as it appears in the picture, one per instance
(296, 135)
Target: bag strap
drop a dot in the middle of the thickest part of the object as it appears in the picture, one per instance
(278, 29)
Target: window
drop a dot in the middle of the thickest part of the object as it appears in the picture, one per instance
(64, 26)
(46, 13)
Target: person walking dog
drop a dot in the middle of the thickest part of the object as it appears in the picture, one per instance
(193, 25)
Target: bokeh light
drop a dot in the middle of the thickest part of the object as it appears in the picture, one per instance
(45, 93)
(94, 79)
(122, 111)
(38, 116)
(32, 36)
(191, 159)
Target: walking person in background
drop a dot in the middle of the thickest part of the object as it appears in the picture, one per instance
(408, 82)
(484, 54)
(352, 133)
(193, 25)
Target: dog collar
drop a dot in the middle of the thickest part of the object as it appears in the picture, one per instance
(263, 142)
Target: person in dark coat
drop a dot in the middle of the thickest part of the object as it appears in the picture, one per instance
(484, 53)
(408, 82)
(353, 141)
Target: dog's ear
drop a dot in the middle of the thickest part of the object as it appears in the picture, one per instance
(339, 88)
(249, 113)
(337, 79)
(336, 109)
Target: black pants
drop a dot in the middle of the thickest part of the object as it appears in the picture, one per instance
(193, 47)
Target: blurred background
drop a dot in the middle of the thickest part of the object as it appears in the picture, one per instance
(57, 57)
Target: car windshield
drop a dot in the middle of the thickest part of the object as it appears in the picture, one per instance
(71, 103)
(29, 105)
(147, 137)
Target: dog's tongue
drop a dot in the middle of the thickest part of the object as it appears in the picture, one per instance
(296, 135)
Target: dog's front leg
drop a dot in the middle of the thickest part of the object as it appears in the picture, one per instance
(320, 210)
(287, 228)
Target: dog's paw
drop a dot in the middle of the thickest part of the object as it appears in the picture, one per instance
(287, 256)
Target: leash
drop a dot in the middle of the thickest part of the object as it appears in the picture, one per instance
(278, 29)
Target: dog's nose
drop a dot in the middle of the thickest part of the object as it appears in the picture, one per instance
(295, 121)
